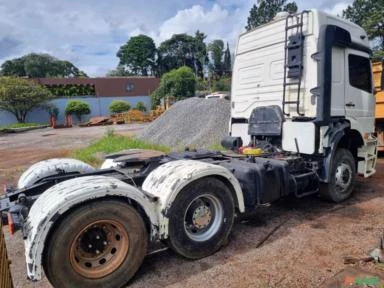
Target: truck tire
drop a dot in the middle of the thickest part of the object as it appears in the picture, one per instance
(342, 181)
(51, 167)
(99, 244)
(201, 218)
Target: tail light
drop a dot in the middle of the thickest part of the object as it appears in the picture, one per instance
(11, 224)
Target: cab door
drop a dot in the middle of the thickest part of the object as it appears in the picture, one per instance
(359, 98)
(338, 82)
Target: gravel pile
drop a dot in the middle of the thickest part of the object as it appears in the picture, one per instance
(195, 122)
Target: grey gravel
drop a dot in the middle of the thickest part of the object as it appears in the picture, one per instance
(193, 123)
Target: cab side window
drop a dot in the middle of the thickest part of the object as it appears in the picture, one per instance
(360, 75)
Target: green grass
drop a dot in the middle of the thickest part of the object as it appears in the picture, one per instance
(112, 143)
(19, 125)
(216, 147)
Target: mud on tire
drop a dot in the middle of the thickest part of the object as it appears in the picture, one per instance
(201, 218)
(100, 244)
(343, 174)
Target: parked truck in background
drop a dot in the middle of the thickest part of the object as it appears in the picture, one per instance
(378, 74)
(302, 105)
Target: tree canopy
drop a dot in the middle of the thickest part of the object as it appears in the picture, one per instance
(138, 55)
(369, 15)
(77, 108)
(265, 10)
(120, 71)
(201, 53)
(40, 65)
(183, 50)
(180, 83)
(227, 64)
(140, 106)
(20, 96)
(216, 50)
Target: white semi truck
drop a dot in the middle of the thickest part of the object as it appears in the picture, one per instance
(303, 106)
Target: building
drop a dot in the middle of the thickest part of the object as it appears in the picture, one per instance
(102, 92)
(109, 86)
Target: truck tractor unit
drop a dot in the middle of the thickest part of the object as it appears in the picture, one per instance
(302, 123)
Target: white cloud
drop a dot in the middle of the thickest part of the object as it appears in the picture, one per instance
(196, 18)
(89, 33)
(337, 9)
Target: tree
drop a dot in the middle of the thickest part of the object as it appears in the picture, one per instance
(120, 71)
(176, 52)
(119, 106)
(180, 83)
(369, 15)
(40, 65)
(227, 65)
(65, 69)
(266, 10)
(21, 96)
(140, 106)
(138, 55)
(14, 68)
(216, 48)
(77, 108)
(201, 53)
(52, 109)
(183, 50)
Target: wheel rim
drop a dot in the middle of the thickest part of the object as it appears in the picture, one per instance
(99, 249)
(343, 177)
(203, 217)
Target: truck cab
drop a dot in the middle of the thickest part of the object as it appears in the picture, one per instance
(315, 70)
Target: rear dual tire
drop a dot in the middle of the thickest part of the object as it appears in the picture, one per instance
(100, 244)
(201, 218)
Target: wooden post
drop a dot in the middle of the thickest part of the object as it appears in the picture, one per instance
(5, 272)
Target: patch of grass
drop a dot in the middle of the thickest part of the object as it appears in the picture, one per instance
(19, 125)
(216, 147)
(111, 143)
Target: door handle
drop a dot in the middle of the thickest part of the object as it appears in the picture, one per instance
(350, 104)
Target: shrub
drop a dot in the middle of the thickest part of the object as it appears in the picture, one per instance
(223, 84)
(141, 107)
(180, 83)
(77, 108)
(52, 109)
(118, 106)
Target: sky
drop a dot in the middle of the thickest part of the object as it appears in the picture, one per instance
(88, 33)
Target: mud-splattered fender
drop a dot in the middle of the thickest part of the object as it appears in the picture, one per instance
(52, 167)
(166, 181)
(60, 198)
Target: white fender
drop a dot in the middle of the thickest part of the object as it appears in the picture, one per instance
(166, 181)
(60, 198)
(51, 167)
(109, 163)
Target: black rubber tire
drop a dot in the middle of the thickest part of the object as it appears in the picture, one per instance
(57, 265)
(329, 191)
(178, 240)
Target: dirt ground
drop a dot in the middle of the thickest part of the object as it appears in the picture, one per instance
(18, 151)
(311, 236)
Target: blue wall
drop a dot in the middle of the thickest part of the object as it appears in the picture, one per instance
(99, 106)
